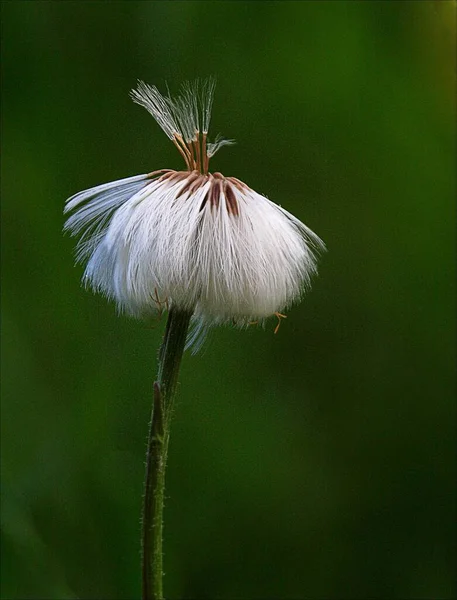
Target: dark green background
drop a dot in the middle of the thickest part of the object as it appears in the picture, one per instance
(317, 463)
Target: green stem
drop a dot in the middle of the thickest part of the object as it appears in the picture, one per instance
(170, 356)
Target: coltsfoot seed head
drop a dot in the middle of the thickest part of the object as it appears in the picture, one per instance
(196, 240)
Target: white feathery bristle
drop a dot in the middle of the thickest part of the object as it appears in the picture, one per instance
(207, 96)
(183, 111)
(190, 104)
(187, 114)
(218, 143)
(95, 208)
(184, 117)
(203, 243)
(160, 107)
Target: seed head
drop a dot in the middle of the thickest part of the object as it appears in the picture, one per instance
(199, 241)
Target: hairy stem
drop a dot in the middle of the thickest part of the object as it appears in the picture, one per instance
(170, 356)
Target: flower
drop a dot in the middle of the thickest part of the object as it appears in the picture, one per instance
(199, 241)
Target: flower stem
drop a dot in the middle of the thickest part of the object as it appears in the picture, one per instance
(170, 356)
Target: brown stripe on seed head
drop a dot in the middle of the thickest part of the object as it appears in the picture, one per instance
(173, 176)
(241, 183)
(198, 183)
(238, 184)
(189, 185)
(166, 176)
(230, 200)
(215, 193)
(179, 176)
(159, 172)
(205, 199)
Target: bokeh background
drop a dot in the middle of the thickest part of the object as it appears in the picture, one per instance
(316, 463)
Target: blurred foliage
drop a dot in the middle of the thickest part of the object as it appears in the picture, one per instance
(316, 463)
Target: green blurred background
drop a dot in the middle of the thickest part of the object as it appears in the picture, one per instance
(317, 463)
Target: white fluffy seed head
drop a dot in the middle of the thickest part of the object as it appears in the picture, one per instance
(201, 242)
(206, 243)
